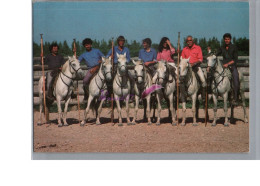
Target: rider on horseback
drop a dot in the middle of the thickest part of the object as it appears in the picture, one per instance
(148, 55)
(230, 58)
(92, 58)
(54, 62)
(165, 52)
(193, 52)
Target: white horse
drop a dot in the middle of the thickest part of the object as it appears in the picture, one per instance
(63, 87)
(221, 85)
(193, 87)
(143, 80)
(164, 78)
(121, 87)
(98, 89)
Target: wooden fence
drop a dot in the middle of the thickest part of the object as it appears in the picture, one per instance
(243, 66)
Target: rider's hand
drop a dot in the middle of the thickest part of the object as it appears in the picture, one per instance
(225, 65)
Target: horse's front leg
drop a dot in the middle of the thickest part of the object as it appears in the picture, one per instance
(226, 109)
(99, 112)
(65, 111)
(242, 94)
(127, 109)
(215, 109)
(59, 111)
(90, 99)
(118, 110)
(148, 100)
(172, 109)
(183, 123)
(40, 116)
(136, 109)
(159, 108)
(194, 97)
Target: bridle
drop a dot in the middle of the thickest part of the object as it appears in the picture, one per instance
(102, 80)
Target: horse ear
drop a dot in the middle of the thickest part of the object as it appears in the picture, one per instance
(109, 58)
(188, 59)
(117, 55)
(125, 54)
(181, 57)
(134, 61)
(103, 59)
(69, 57)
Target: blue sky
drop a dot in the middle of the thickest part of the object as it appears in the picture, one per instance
(59, 21)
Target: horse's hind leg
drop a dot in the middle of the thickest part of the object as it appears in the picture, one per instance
(40, 116)
(242, 94)
(59, 112)
(226, 109)
(194, 97)
(215, 109)
(65, 111)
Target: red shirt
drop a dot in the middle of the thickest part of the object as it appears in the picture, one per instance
(194, 53)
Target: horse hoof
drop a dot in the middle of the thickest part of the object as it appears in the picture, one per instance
(246, 121)
(213, 124)
(129, 123)
(183, 124)
(149, 123)
(120, 124)
(195, 124)
(39, 124)
(98, 123)
(226, 124)
(66, 124)
(174, 124)
(82, 124)
(158, 124)
(60, 125)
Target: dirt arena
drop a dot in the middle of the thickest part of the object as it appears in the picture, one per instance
(141, 137)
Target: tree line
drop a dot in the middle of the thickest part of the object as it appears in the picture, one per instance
(65, 49)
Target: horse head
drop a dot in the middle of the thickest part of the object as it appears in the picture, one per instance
(162, 70)
(122, 68)
(211, 60)
(139, 71)
(74, 66)
(184, 66)
(106, 67)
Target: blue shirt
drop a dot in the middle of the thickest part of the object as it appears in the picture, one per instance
(147, 56)
(91, 57)
(116, 50)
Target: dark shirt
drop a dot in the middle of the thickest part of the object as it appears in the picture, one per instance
(54, 62)
(228, 55)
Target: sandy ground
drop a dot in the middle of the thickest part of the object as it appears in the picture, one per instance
(141, 137)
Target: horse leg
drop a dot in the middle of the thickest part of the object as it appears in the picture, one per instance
(148, 99)
(99, 112)
(183, 123)
(172, 109)
(40, 116)
(159, 109)
(194, 97)
(242, 94)
(231, 109)
(90, 99)
(118, 110)
(127, 109)
(226, 124)
(145, 107)
(59, 111)
(136, 109)
(65, 111)
(215, 101)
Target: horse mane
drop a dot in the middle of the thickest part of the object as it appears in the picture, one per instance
(64, 67)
